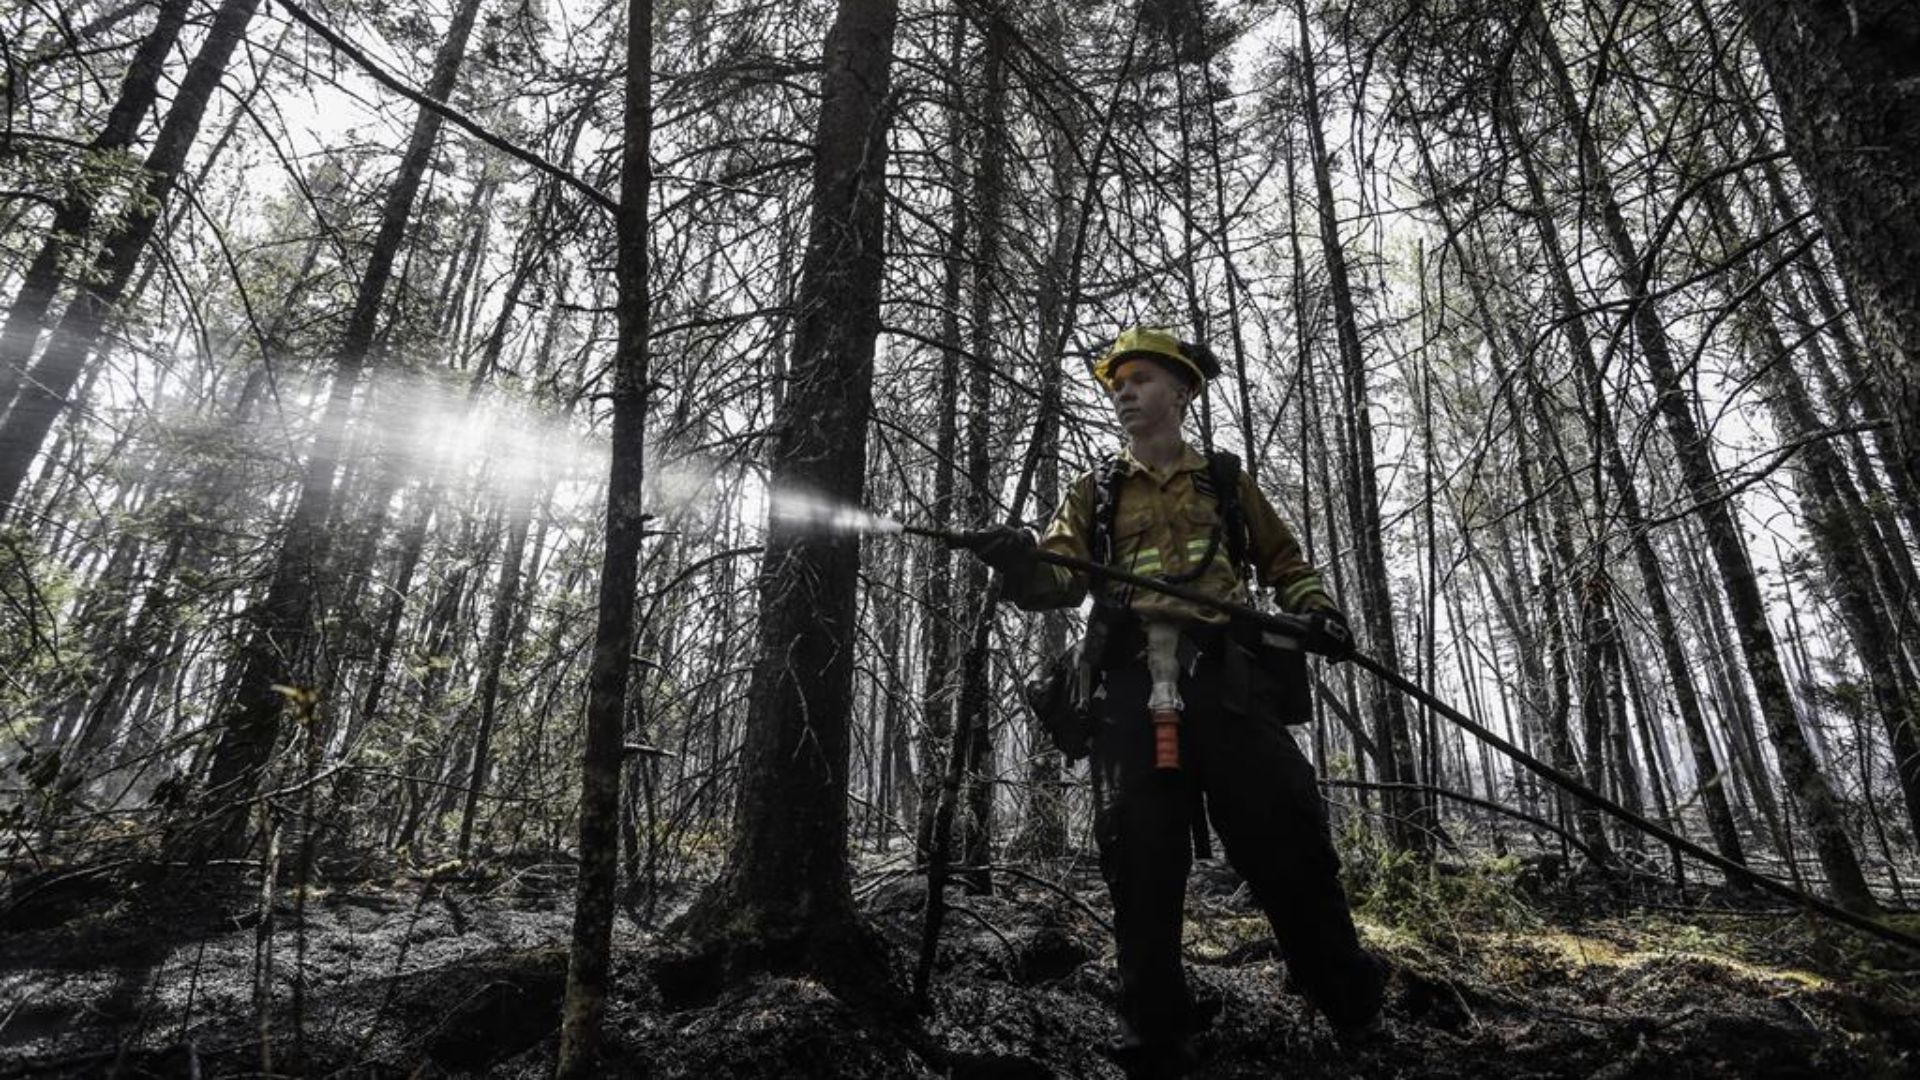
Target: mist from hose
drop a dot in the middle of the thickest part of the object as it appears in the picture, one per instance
(804, 511)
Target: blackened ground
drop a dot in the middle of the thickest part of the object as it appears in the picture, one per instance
(103, 973)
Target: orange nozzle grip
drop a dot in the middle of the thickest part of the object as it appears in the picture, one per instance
(1166, 739)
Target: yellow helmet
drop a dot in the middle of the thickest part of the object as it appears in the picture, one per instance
(1161, 345)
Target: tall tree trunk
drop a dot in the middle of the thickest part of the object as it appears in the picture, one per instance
(441, 655)
(1412, 820)
(1235, 286)
(589, 959)
(74, 212)
(1737, 714)
(1606, 638)
(936, 726)
(976, 698)
(1313, 433)
(506, 602)
(1044, 833)
(1835, 515)
(399, 589)
(784, 893)
(888, 780)
(1653, 747)
(1554, 536)
(1862, 394)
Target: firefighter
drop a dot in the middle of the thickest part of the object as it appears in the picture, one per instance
(1189, 711)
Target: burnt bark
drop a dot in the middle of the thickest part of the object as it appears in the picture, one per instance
(1043, 834)
(1848, 549)
(589, 957)
(73, 214)
(506, 601)
(937, 705)
(784, 895)
(976, 703)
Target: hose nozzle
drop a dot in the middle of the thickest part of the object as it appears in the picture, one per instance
(1163, 702)
(953, 539)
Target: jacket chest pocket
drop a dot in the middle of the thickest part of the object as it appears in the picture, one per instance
(1133, 527)
(1197, 526)
(1198, 517)
(1138, 539)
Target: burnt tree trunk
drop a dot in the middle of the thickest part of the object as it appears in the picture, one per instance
(1043, 834)
(936, 726)
(589, 957)
(1412, 821)
(1554, 538)
(976, 697)
(506, 602)
(1840, 529)
(784, 896)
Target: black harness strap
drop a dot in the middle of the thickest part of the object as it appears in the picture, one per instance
(1223, 474)
(1106, 509)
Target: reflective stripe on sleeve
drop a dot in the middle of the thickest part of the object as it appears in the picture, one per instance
(1291, 596)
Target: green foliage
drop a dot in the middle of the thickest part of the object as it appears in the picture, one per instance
(1435, 901)
(32, 650)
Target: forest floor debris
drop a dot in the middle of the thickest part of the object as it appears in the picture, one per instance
(447, 976)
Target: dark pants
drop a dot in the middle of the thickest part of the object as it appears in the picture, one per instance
(1263, 801)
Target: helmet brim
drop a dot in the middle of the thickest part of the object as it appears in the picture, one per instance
(1103, 370)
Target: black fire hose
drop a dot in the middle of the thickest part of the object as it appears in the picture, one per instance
(1296, 628)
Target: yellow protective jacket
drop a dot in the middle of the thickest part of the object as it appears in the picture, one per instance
(1162, 526)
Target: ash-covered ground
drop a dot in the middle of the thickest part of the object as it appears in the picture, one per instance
(108, 973)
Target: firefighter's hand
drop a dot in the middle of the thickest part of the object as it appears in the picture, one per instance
(1006, 549)
(1329, 634)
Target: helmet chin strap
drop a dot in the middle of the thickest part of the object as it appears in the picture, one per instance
(1206, 420)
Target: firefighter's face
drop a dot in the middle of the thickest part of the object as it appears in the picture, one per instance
(1147, 398)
